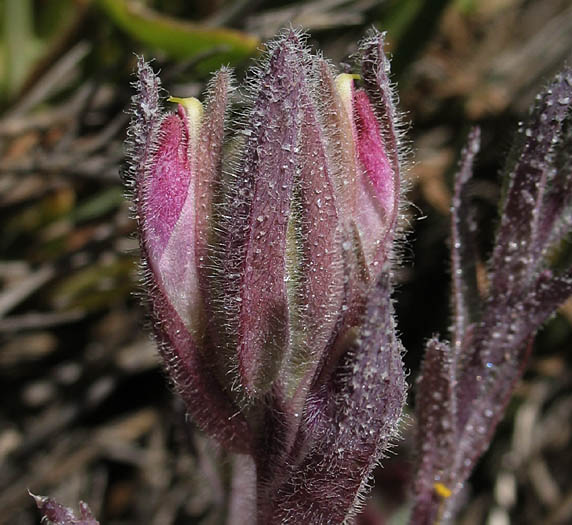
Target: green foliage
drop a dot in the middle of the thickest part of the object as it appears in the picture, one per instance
(180, 39)
(20, 47)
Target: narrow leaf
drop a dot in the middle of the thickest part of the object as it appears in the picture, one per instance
(555, 218)
(436, 431)
(515, 261)
(463, 251)
(180, 39)
(315, 258)
(143, 129)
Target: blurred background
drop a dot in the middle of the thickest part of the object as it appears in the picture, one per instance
(86, 412)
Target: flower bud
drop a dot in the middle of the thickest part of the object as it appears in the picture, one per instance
(174, 157)
(268, 242)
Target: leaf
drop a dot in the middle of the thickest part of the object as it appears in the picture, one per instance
(436, 429)
(492, 351)
(314, 256)
(464, 290)
(516, 257)
(180, 39)
(21, 47)
(555, 217)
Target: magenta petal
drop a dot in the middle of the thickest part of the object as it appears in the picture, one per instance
(372, 154)
(161, 165)
(375, 78)
(166, 184)
(375, 208)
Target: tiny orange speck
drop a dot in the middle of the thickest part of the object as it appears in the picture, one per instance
(442, 490)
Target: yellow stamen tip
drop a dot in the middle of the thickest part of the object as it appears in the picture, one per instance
(442, 490)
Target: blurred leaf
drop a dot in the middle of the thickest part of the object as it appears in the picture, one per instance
(39, 214)
(411, 23)
(177, 38)
(466, 6)
(96, 286)
(21, 48)
(54, 16)
(97, 206)
(399, 16)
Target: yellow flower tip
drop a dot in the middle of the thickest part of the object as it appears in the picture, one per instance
(192, 106)
(194, 111)
(344, 85)
(442, 490)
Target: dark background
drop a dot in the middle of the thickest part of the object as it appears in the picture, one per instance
(86, 412)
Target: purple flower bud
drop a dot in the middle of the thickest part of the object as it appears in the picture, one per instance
(465, 387)
(166, 152)
(266, 244)
(53, 512)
